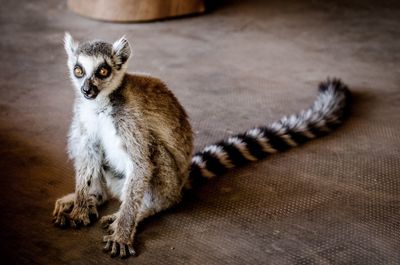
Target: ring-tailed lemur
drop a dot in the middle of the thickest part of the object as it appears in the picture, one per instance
(131, 139)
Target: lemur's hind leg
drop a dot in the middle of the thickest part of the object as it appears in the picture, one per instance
(156, 204)
(163, 192)
(145, 212)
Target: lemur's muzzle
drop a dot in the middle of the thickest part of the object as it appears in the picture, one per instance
(89, 90)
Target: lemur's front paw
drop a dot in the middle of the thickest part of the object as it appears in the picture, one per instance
(83, 215)
(62, 209)
(69, 213)
(118, 246)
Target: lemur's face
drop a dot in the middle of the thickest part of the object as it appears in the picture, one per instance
(97, 67)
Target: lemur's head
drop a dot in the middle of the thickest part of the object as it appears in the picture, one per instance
(96, 67)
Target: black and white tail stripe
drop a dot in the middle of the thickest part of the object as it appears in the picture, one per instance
(328, 111)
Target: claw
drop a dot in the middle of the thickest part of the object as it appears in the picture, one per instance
(107, 247)
(114, 249)
(85, 222)
(122, 251)
(63, 222)
(131, 251)
(73, 224)
(60, 220)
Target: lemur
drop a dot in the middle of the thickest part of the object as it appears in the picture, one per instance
(130, 139)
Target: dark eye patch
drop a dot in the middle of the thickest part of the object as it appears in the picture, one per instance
(99, 69)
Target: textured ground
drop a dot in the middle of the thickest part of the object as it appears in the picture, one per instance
(332, 201)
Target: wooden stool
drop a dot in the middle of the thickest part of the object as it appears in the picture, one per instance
(135, 10)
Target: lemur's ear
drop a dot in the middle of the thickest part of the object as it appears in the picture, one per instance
(70, 45)
(121, 51)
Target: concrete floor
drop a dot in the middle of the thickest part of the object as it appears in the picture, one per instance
(332, 201)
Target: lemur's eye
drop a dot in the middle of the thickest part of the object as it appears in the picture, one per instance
(78, 71)
(103, 71)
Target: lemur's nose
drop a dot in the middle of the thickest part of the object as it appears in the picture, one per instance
(86, 89)
(89, 90)
(88, 85)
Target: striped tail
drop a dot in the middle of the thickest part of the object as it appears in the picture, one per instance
(328, 111)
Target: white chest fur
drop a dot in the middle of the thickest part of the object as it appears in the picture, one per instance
(100, 125)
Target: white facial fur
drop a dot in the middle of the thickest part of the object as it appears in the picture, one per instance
(89, 65)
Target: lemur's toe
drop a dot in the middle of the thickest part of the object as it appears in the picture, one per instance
(131, 250)
(126, 250)
(61, 220)
(107, 247)
(116, 248)
(107, 220)
(75, 223)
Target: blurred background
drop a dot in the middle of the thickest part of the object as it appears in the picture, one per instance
(232, 64)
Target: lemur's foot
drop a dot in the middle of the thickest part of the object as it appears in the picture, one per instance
(118, 246)
(107, 221)
(67, 213)
(83, 215)
(62, 209)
